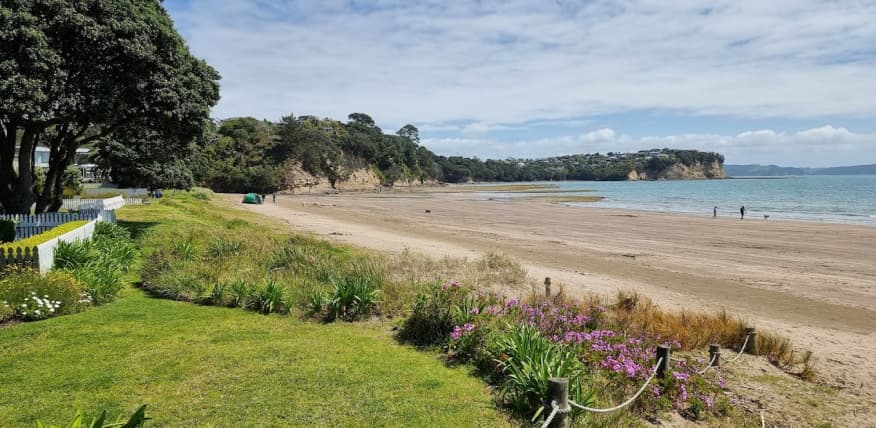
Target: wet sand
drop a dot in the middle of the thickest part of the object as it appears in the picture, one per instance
(815, 283)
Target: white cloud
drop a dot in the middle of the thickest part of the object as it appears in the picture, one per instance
(477, 128)
(824, 146)
(600, 135)
(514, 61)
(534, 69)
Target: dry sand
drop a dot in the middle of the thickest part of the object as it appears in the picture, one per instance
(815, 283)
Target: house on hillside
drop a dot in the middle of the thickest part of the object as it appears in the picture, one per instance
(82, 160)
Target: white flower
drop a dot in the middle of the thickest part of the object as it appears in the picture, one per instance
(37, 312)
(24, 305)
(45, 296)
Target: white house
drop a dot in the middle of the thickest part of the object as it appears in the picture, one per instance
(86, 168)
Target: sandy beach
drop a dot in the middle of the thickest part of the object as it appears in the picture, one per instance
(815, 283)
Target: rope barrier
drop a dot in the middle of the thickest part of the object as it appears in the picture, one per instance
(553, 414)
(703, 371)
(741, 350)
(625, 403)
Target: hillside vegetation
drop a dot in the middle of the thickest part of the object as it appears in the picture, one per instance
(250, 155)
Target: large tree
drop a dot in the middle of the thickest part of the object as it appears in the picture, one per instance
(73, 72)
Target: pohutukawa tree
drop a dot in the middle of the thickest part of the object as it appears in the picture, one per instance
(73, 72)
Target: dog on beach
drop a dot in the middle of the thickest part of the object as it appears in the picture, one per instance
(766, 216)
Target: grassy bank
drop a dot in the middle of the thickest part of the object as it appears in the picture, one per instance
(195, 365)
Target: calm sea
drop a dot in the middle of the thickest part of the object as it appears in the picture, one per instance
(834, 199)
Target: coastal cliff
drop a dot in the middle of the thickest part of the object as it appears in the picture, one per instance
(680, 171)
(355, 174)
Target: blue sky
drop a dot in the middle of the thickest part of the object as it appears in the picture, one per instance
(785, 82)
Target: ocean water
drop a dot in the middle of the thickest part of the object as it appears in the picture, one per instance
(820, 198)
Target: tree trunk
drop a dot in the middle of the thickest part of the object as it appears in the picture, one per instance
(63, 153)
(18, 195)
(7, 156)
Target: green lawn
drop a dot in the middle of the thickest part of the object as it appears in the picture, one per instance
(208, 366)
(213, 366)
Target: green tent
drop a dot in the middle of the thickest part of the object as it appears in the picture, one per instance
(252, 198)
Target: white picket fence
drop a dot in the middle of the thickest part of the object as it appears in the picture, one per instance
(42, 256)
(84, 204)
(91, 209)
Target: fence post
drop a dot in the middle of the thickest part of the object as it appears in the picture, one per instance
(662, 356)
(558, 392)
(547, 288)
(714, 355)
(752, 347)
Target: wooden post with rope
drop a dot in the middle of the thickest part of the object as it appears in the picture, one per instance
(558, 393)
(751, 347)
(714, 355)
(662, 357)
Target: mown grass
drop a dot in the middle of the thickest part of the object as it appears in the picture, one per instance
(206, 366)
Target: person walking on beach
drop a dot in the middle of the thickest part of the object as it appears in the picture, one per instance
(274, 196)
(715, 212)
(742, 213)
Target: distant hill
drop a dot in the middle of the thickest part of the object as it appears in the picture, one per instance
(775, 170)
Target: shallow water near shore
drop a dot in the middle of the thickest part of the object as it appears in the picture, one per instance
(824, 198)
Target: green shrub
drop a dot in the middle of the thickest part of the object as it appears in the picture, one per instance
(35, 240)
(112, 231)
(218, 295)
(183, 285)
(137, 420)
(270, 298)
(73, 255)
(201, 194)
(185, 250)
(528, 360)
(103, 282)
(315, 302)
(6, 311)
(99, 263)
(240, 292)
(225, 247)
(354, 295)
(7, 231)
(23, 291)
(433, 314)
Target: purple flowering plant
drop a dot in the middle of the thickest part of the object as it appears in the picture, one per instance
(616, 360)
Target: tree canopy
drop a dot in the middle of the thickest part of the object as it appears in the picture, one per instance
(76, 72)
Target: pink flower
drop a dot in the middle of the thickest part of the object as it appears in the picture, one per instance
(684, 377)
(456, 334)
(474, 311)
(707, 400)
